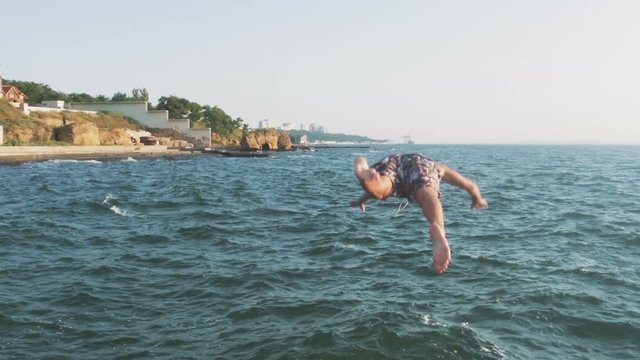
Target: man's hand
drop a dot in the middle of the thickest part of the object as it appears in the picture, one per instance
(359, 204)
(479, 203)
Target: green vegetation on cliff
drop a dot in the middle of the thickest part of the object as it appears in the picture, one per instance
(202, 116)
(320, 137)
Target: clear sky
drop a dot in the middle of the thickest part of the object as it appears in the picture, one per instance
(538, 71)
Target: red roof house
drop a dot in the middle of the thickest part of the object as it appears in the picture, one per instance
(13, 94)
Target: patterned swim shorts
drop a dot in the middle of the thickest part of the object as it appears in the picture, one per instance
(409, 172)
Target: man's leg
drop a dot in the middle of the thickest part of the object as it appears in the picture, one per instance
(455, 178)
(431, 207)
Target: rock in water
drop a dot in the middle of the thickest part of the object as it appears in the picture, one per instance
(284, 141)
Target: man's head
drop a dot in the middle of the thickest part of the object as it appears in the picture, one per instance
(369, 178)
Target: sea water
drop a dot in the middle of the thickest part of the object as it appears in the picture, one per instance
(262, 258)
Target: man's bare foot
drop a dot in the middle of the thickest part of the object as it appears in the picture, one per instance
(441, 251)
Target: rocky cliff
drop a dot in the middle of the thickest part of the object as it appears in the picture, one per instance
(265, 139)
(45, 127)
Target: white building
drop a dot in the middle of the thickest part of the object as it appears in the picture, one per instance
(264, 124)
(286, 126)
(56, 104)
(52, 106)
(317, 128)
(138, 110)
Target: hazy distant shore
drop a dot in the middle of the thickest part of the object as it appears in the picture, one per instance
(22, 154)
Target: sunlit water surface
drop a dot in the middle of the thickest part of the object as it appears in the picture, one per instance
(236, 258)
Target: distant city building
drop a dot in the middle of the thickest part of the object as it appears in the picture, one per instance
(317, 128)
(263, 124)
(286, 126)
(303, 127)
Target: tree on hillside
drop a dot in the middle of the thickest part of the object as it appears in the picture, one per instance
(119, 97)
(79, 98)
(219, 121)
(136, 95)
(139, 94)
(179, 108)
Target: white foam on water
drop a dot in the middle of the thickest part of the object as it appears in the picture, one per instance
(130, 159)
(427, 320)
(346, 246)
(73, 161)
(107, 199)
(494, 350)
(300, 156)
(118, 211)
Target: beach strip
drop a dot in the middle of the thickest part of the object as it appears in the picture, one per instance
(21, 154)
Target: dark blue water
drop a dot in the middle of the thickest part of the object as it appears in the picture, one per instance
(234, 258)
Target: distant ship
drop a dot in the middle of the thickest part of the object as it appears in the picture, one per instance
(408, 140)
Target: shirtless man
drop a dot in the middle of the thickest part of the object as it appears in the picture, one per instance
(415, 177)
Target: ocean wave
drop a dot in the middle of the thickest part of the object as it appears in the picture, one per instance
(151, 239)
(112, 203)
(590, 327)
(566, 299)
(79, 299)
(72, 161)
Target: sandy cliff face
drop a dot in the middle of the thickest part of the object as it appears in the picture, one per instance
(115, 137)
(29, 134)
(84, 133)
